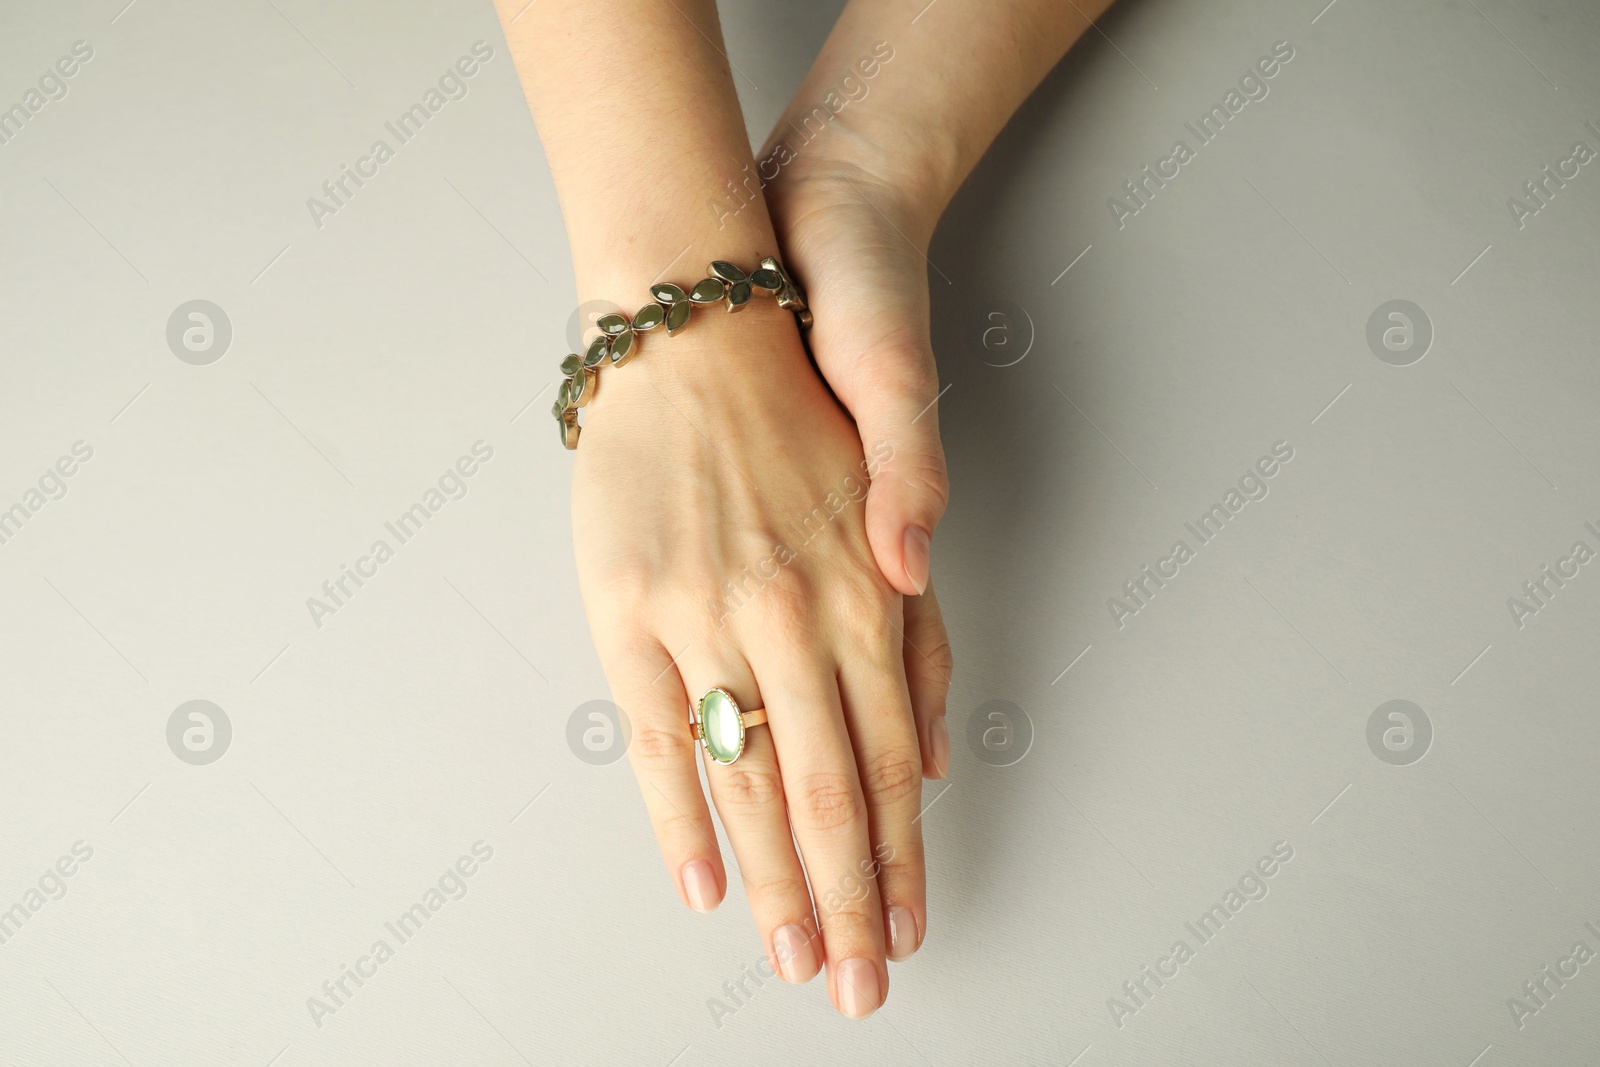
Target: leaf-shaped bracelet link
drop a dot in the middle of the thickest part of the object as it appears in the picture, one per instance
(619, 337)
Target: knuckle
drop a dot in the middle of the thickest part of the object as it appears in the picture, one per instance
(744, 789)
(920, 466)
(679, 831)
(925, 473)
(786, 601)
(938, 660)
(875, 622)
(901, 873)
(847, 917)
(776, 889)
(826, 801)
(866, 607)
(655, 744)
(892, 778)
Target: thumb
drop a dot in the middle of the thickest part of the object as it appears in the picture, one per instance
(894, 400)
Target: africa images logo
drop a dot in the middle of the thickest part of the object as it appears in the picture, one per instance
(453, 84)
(1252, 886)
(1140, 592)
(1142, 188)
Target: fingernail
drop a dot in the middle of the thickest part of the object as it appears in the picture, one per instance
(939, 741)
(917, 557)
(700, 885)
(859, 996)
(902, 931)
(797, 954)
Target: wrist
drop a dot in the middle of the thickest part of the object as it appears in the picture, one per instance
(745, 323)
(909, 181)
(722, 372)
(637, 249)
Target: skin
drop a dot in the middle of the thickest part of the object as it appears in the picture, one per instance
(857, 206)
(700, 458)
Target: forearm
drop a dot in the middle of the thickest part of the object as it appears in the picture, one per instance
(928, 113)
(640, 124)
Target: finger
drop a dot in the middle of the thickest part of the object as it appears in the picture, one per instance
(929, 663)
(893, 396)
(872, 344)
(662, 753)
(828, 813)
(748, 794)
(877, 708)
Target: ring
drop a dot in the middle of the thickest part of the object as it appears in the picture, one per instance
(720, 725)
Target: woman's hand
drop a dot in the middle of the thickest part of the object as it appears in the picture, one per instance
(720, 537)
(900, 104)
(859, 243)
(721, 542)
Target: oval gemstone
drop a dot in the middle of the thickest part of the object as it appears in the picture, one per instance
(622, 347)
(738, 295)
(596, 351)
(721, 726)
(708, 290)
(678, 316)
(650, 316)
(767, 281)
(726, 271)
(612, 324)
(667, 293)
(571, 365)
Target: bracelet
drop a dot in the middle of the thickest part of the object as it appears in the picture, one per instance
(619, 337)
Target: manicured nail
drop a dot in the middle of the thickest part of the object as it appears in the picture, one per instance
(797, 954)
(700, 885)
(939, 741)
(917, 558)
(902, 931)
(859, 995)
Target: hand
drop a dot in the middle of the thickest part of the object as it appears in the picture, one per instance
(858, 243)
(875, 143)
(718, 545)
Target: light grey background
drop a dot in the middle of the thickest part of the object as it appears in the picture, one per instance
(1230, 714)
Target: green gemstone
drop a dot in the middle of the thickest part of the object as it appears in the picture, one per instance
(738, 295)
(564, 395)
(678, 316)
(708, 290)
(766, 281)
(721, 726)
(649, 317)
(621, 348)
(667, 293)
(727, 271)
(556, 410)
(597, 351)
(612, 324)
(571, 365)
